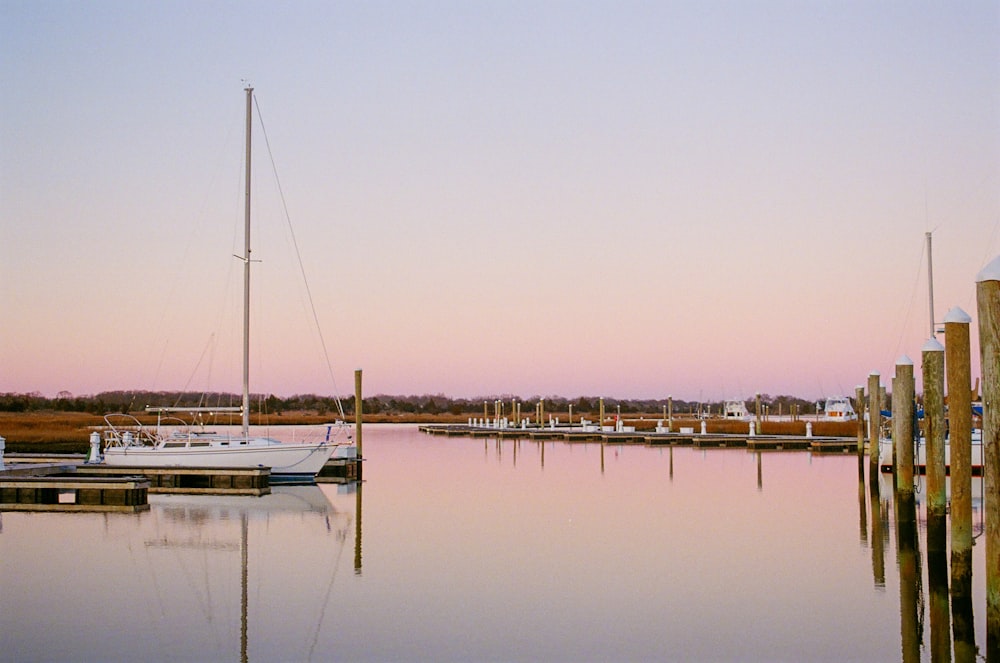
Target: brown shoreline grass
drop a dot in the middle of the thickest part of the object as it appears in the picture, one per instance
(69, 432)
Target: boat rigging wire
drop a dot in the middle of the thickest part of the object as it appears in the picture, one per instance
(909, 308)
(298, 256)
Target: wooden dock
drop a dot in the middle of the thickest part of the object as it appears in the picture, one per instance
(40, 482)
(192, 480)
(650, 438)
(173, 480)
(340, 470)
(68, 491)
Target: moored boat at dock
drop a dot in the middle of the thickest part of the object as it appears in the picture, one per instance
(127, 442)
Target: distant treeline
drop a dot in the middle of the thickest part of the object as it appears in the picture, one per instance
(132, 401)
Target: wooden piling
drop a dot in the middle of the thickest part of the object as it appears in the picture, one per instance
(670, 414)
(958, 377)
(988, 304)
(757, 405)
(874, 424)
(932, 359)
(902, 428)
(358, 410)
(859, 406)
(932, 355)
(600, 416)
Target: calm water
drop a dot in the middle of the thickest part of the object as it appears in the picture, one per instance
(457, 549)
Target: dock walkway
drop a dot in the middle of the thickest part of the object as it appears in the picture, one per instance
(651, 438)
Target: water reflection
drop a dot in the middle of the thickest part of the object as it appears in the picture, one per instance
(937, 576)
(582, 553)
(880, 534)
(194, 578)
(910, 587)
(951, 609)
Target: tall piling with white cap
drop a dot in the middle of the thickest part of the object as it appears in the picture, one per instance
(757, 416)
(933, 377)
(902, 426)
(988, 303)
(3, 445)
(958, 375)
(859, 406)
(874, 424)
(939, 604)
(358, 410)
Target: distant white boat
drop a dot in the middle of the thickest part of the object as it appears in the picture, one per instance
(839, 408)
(128, 442)
(735, 410)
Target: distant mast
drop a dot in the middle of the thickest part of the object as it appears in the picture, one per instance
(246, 279)
(930, 284)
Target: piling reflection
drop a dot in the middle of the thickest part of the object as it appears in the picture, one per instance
(963, 623)
(952, 632)
(880, 534)
(862, 506)
(910, 586)
(357, 528)
(937, 578)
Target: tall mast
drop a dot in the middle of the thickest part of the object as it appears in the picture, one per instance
(246, 278)
(930, 284)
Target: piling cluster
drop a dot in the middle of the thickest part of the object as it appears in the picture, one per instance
(947, 424)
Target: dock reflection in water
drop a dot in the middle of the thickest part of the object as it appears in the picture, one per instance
(493, 550)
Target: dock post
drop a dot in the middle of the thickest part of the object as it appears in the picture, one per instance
(874, 425)
(902, 433)
(859, 406)
(958, 375)
(988, 303)
(757, 401)
(3, 445)
(358, 408)
(600, 416)
(670, 414)
(933, 376)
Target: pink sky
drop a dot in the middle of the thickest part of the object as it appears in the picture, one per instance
(703, 201)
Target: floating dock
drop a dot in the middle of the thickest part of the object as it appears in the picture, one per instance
(192, 480)
(611, 436)
(59, 488)
(64, 482)
(54, 483)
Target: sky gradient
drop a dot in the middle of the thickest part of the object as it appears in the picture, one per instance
(629, 199)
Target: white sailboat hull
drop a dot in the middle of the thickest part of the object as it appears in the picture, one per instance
(283, 459)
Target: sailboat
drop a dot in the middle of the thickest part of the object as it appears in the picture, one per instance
(127, 442)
